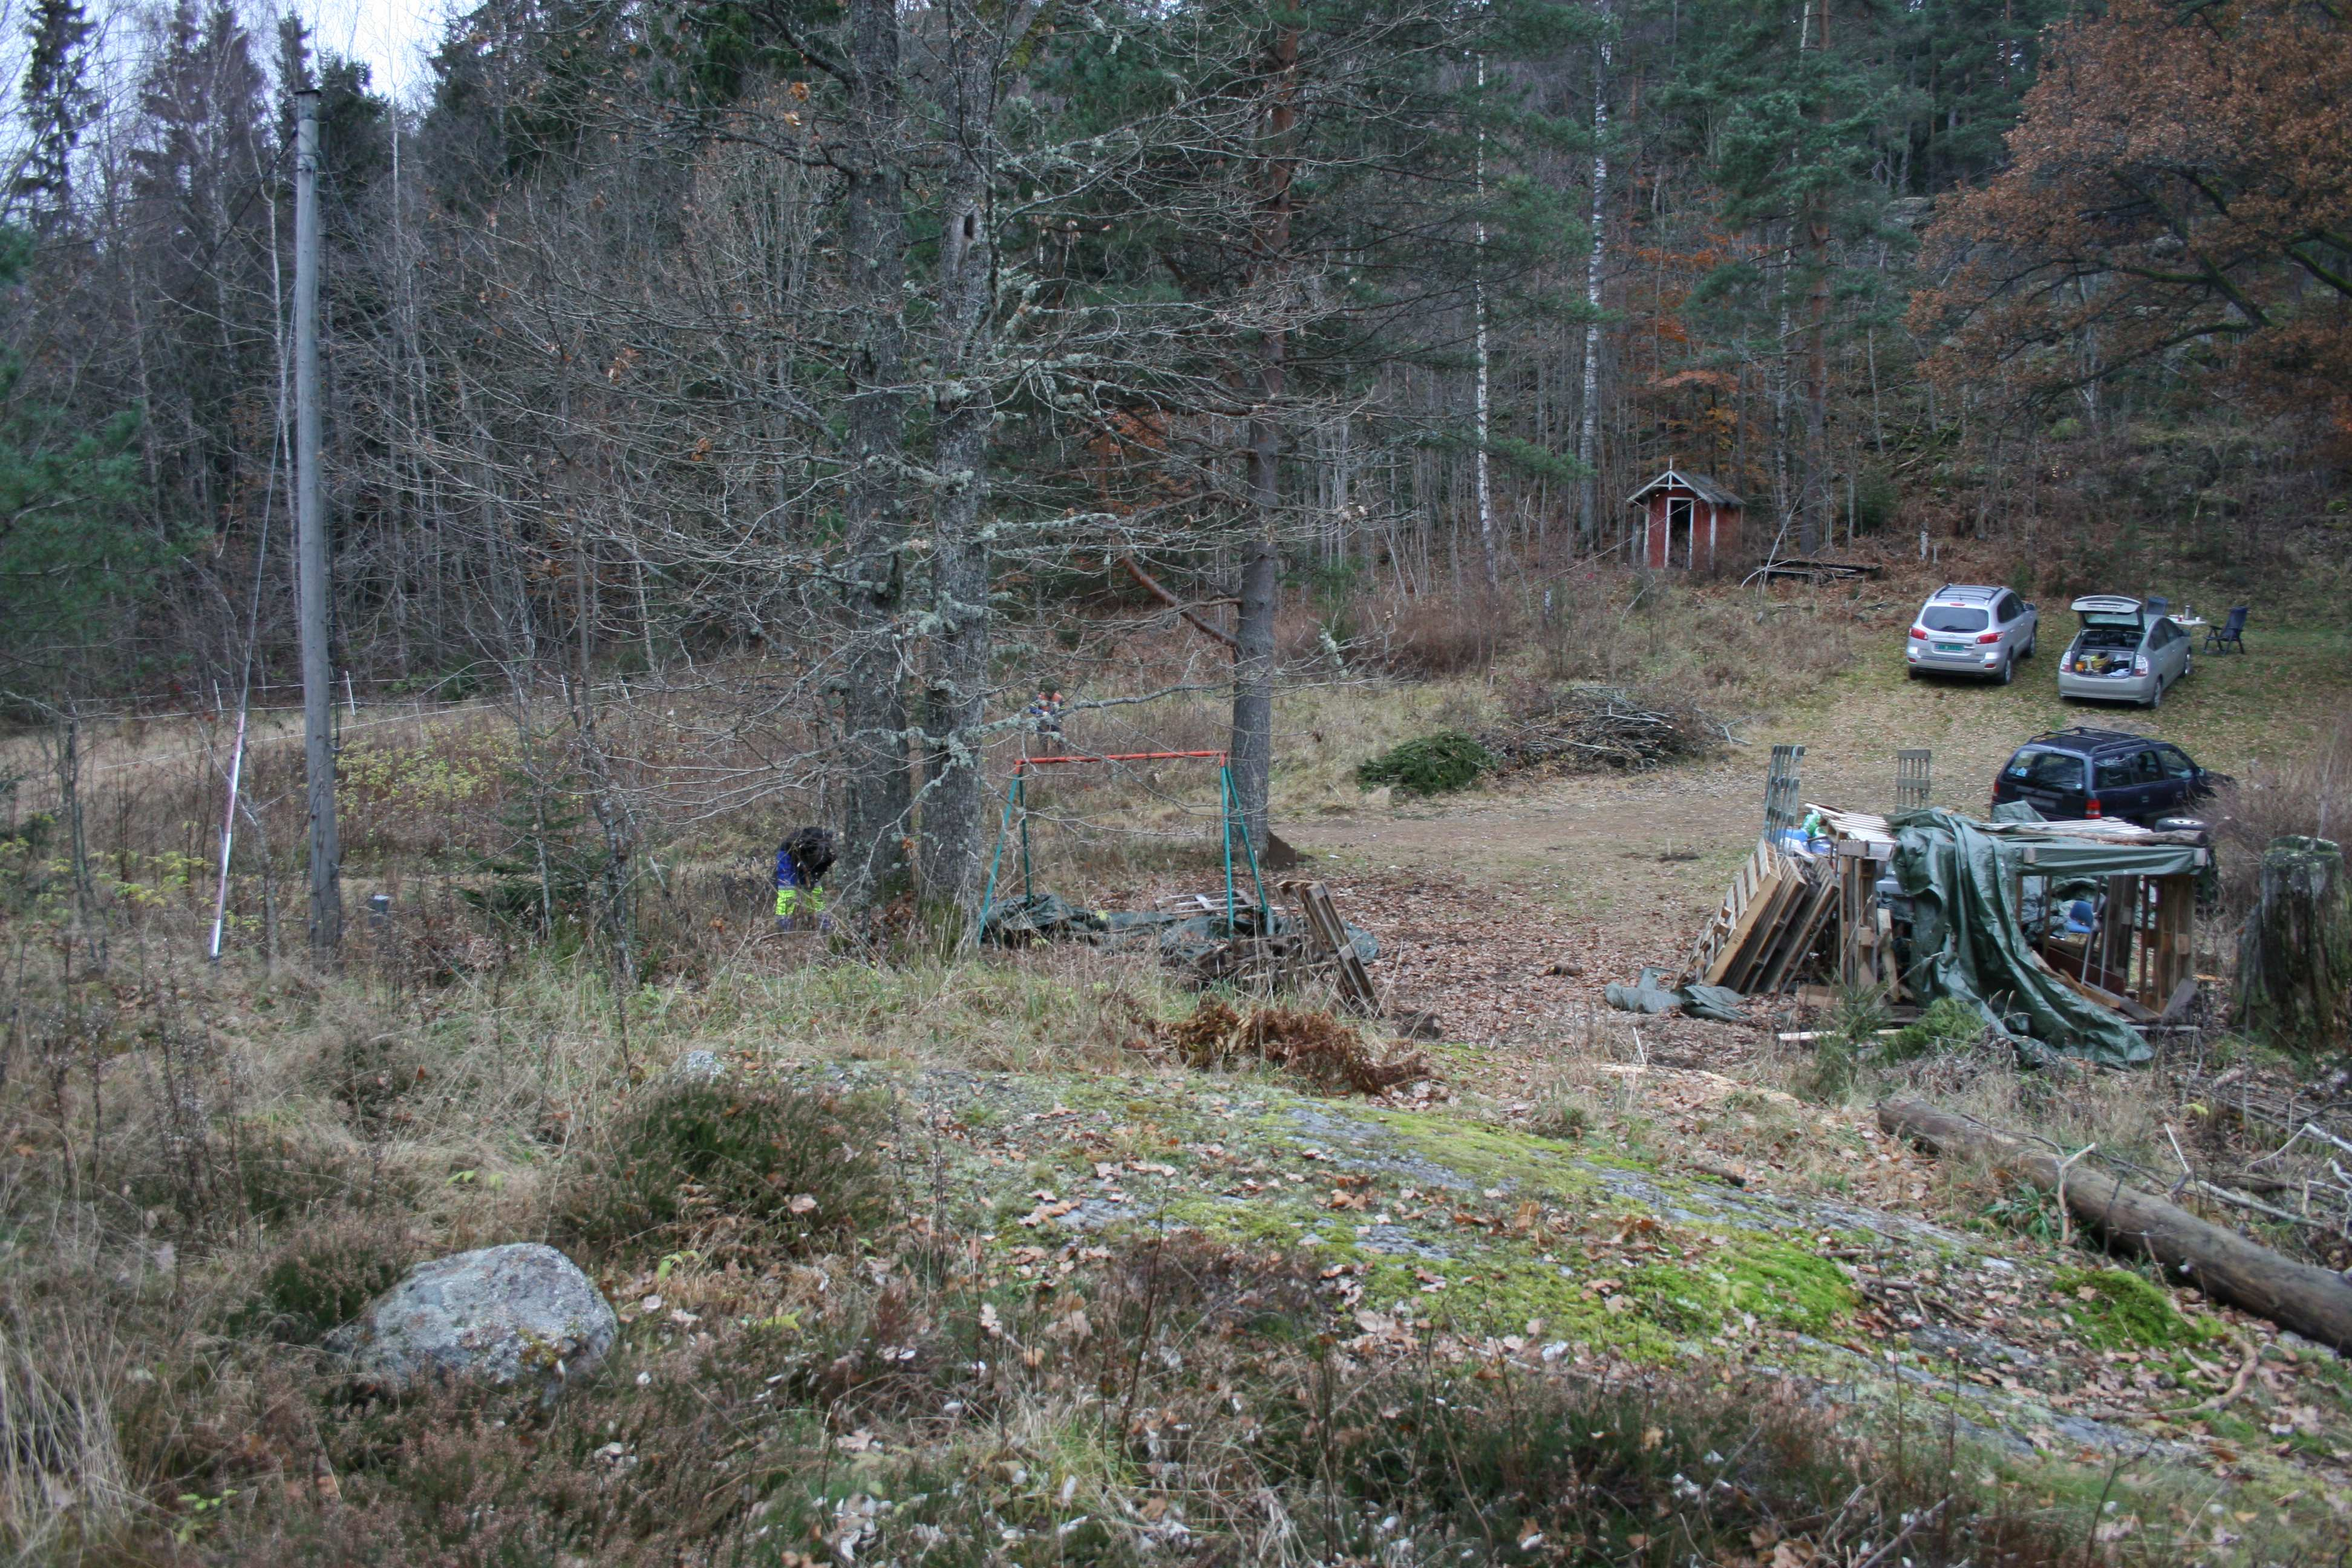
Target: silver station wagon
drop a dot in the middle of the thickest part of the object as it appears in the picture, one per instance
(1969, 629)
(2123, 654)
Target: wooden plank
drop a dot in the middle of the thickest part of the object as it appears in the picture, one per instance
(1788, 949)
(1795, 924)
(2176, 924)
(1850, 928)
(1825, 909)
(1322, 918)
(1711, 937)
(1742, 956)
(1753, 954)
(1882, 955)
(1744, 928)
(1739, 903)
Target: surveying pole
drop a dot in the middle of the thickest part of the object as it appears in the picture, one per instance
(313, 592)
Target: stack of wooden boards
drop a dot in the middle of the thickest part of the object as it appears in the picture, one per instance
(1771, 920)
(1782, 906)
(1330, 934)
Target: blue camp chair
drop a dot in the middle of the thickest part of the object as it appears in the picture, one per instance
(2230, 632)
(2157, 604)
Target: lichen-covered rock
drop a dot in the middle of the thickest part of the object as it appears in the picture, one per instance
(520, 1313)
(697, 1067)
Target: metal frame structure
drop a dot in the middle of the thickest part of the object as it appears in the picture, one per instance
(1234, 825)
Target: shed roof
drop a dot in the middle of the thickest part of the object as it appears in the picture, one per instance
(1705, 489)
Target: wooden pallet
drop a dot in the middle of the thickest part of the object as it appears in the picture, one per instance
(1771, 919)
(1719, 926)
(1912, 784)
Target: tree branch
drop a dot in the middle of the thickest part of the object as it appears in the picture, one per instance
(1152, 586)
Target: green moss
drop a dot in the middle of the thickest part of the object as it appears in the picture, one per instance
(1492, 1157)
(2113, 1310)
(1774, 1283)
(1257, 1222)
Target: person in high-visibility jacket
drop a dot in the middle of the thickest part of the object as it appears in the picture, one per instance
(805, 856)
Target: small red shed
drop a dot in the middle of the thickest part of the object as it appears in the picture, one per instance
(1687, 520)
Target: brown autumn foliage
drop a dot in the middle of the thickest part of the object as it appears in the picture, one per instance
(2178, 185)
(1314, 1045)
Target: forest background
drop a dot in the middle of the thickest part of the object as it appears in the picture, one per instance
(759, 399)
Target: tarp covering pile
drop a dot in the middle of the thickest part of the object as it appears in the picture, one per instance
(1968, 935)
(1180, 938)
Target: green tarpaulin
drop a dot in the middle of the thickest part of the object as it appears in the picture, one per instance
(1968, 937)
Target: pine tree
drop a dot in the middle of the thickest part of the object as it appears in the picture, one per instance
(70, 554)
(58, 106)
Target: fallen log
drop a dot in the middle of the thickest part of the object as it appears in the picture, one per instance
(2312, 1301)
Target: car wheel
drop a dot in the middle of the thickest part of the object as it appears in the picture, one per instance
(2156, 697)
(2029, 645)
(2007, 670)
(2187, 663)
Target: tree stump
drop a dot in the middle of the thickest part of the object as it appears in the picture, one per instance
(2294, 954)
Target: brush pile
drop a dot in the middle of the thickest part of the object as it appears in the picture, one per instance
(1315, 1045)
(1588, 727)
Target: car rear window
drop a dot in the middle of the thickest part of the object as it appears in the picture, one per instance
(1954, 618)
(2047, 770)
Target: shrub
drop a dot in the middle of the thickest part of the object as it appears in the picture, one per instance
(1434, 764)
(719, 1166)
(1947, 1025)
(321, 1279)
(1433, 636)
(2310, 797)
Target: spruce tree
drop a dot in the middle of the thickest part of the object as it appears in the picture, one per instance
(58, 106)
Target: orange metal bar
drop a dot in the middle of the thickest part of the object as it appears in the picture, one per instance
(1115, 757)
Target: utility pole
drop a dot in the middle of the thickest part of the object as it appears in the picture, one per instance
(310, 530)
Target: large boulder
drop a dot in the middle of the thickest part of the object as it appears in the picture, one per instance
(520, 1313)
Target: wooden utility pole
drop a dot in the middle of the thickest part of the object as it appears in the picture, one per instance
(311, 540)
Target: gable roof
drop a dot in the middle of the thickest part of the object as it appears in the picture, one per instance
(1707, 490)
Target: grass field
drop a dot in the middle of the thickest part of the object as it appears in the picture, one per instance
(202, 1168)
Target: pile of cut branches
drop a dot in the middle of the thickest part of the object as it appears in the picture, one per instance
(1314, 1045)
(1588, 727)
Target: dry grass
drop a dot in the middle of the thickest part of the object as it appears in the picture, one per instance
(62, 1474)
(201, 1167)
(2309, 794)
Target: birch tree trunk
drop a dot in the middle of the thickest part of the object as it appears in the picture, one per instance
(1588, 435)
(1482, 412)
(1816, 526)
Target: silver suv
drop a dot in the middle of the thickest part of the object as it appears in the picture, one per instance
(1970, 629)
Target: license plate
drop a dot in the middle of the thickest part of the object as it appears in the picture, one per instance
(1951, 647)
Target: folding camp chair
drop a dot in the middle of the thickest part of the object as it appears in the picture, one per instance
(2230, 633)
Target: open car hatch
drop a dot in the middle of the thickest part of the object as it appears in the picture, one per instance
(2109, 610)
